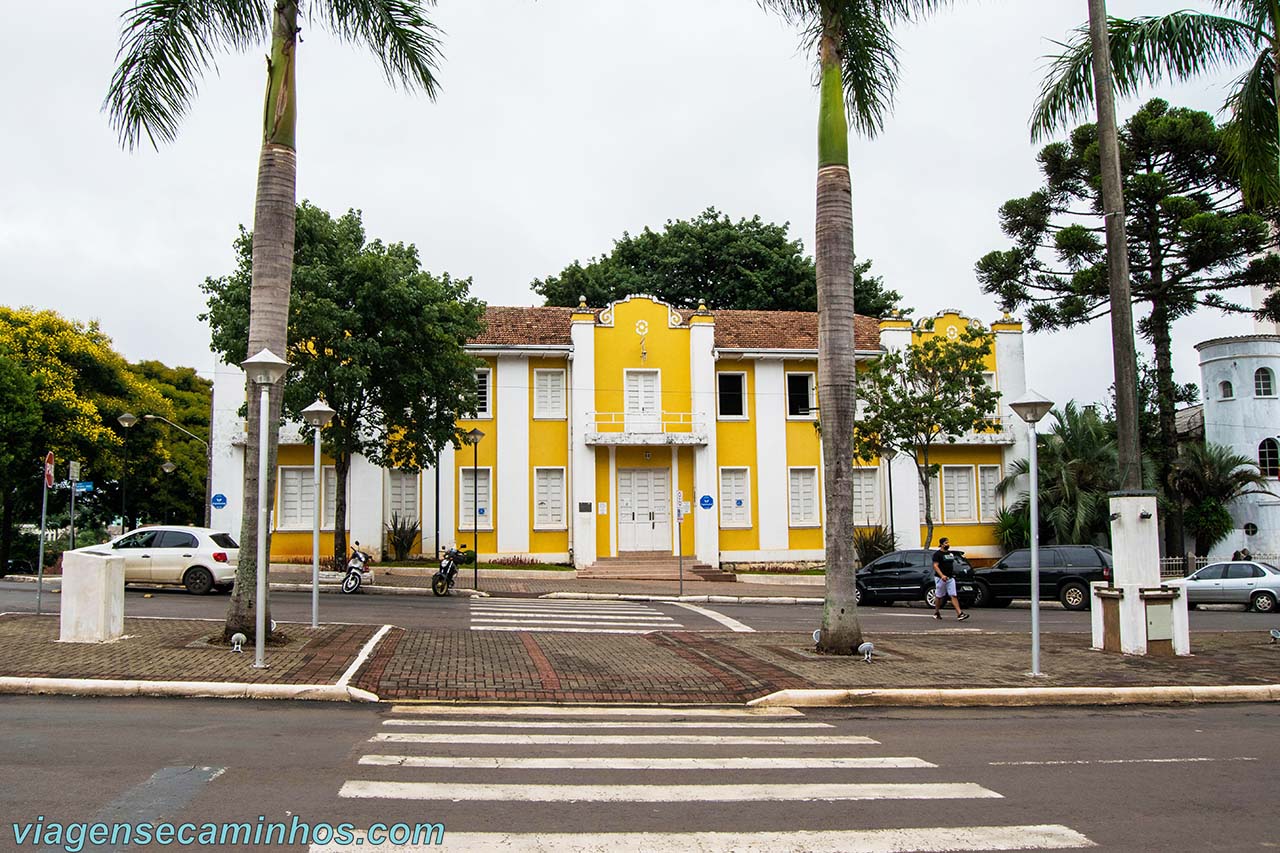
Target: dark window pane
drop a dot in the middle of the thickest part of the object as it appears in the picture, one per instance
(141, 539)
(223, 540)
(798, 394)
(732, 396)
(1269, 457)
(1237, 571)
(1212, 573)
(1017, 560)
(175, 539)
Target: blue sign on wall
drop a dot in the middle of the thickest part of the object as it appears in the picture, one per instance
(706, 502)
(218, 501)
(84, 486)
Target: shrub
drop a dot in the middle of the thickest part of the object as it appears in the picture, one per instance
(1013, 528)
(401, 534)
(872, 542)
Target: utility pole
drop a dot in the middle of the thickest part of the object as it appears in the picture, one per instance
(1123, 352)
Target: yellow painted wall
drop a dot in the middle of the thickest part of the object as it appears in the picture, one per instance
(736, 448)
(946, 321)
(604, 523)
(549, 448)
(618, 348)
(804, 449)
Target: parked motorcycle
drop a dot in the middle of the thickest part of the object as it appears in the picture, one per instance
(357, 569)
(442, 581)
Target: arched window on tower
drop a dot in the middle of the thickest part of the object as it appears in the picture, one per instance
(1225, 391)
(1264, 382)
(1269, 457)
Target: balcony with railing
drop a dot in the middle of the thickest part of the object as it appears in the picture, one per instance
(645, 429)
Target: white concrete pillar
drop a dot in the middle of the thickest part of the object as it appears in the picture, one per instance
(226, 446)
(364, 505)
(906, 501)
(771, 458)
(582, 383)
(92, 608)
(702, 378)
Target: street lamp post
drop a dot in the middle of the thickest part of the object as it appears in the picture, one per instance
(265, 369)
(317, 415)
(126, 420)
(168, 467)
(1031, 407)
(473, 438)
(208, 458)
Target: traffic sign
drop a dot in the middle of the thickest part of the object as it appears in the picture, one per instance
(73, 471)
(48, 470)
(84, 486)
(706, 502)
(218, 501)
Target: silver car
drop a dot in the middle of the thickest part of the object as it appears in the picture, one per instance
(1251, 583)
(198, 558)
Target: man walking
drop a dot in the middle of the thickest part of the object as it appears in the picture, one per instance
(944, 580)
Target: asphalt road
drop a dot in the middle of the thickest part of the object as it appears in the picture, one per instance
(456, 612)
(1135, 779)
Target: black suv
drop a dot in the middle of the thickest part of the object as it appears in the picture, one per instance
(1065, 574)
(908, 576)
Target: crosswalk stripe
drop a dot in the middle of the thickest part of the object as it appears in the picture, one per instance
(626, 740)
(362, 789)
(573, 619)
(592, 710)
(636, 611)
(559, 629)
(934, 839)
(599, 724)
(499, 762)
(558, 605)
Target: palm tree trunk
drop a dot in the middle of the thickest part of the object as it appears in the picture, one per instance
(273, 231)
(1123, 351)
(837, 393)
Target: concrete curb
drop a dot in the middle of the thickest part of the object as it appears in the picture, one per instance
(185, 689)
(694, 599)
(1020, 696)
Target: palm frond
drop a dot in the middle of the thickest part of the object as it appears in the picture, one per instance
(1251, 140)
(397, 32)
(1143, 50)
(165, 48)
(869, 72)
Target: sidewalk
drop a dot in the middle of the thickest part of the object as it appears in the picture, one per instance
(657, 668)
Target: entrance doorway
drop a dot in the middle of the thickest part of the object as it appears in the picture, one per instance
(644, 509)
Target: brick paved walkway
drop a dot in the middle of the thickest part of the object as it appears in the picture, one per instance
(176, 650)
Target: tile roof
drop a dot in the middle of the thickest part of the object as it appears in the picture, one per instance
(549, 326)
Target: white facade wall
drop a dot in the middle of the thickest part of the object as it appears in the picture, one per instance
(702, 378)
(1241, 423)
(582, 399)
(772, 487)
(511, 391)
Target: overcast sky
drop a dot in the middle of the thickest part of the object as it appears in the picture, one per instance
(560, 125)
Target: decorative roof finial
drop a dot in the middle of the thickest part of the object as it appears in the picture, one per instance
(702, 305)
(582, 300)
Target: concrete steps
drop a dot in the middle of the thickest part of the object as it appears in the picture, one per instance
(651, 565)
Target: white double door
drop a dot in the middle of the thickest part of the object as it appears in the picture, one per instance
(644, 509)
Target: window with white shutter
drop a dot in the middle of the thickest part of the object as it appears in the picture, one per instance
(735, 498)
(988, 477)
(473, 498)
(548, 394)
(804, 497)
(296, 509)
(548, 498)
(402, 495)
(483, 410)
(958, 502)
(866, 496)
(935, 501)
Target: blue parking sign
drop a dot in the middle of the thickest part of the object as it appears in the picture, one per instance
(218, 501)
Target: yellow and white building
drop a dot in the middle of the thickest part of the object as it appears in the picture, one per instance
(597, 421)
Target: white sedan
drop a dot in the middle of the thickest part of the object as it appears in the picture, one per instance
(1253, 584)
(198, 558)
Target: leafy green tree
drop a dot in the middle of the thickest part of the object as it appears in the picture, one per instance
(932, 391)
(178, 497)
(373, 335)
(1191, 241)
(749, 264)
(1179, 46)
(857, 76)
(1078, 471)
(165, 48)
(80, 385)
(19, 430)
(1207, 479)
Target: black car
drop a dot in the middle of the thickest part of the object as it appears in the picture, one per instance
(19, 566)
(908, 576)
(1065, 574)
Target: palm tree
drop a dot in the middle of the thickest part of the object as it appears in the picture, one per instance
(857, 71)
(1179, 46)
(1207, 478)
(1078, 462)
(165, 48)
